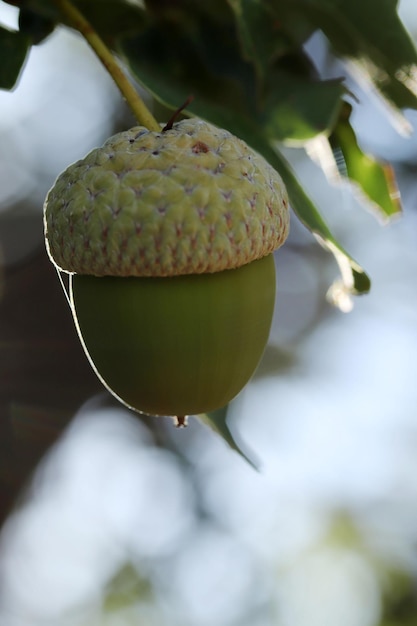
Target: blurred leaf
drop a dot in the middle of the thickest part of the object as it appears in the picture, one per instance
(400, 599)
(217, 420)
(277, 361)
(297, 107)
(174, 61)
(110, 18)
(371, 34)
(34, 25)
(375, 179)
(264, 35)
(261, 39)
(180, 10)
(354, 280)
(14, 47)
(126, 589)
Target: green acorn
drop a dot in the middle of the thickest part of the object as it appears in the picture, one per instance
(168, 239)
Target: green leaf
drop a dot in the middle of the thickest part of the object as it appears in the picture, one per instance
(217, 420)
(37, 27)
(264, 34)
(174, 62)
(298, 108)
(354, 280)
(14, 48)
(371, 34)
(375, 180)
(382, 47)
(184, 10)
(126, 589)
(110, 18)
(262, 41)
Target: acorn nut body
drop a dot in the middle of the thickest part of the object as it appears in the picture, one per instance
(168, 239)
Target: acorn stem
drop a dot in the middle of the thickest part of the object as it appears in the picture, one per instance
(80, 23)
(176, 113)
(181, 421)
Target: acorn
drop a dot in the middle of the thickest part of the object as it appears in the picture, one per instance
(168, 239)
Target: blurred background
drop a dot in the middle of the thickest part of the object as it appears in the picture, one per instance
(108, 519)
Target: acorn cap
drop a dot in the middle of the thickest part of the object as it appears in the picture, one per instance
(188, 200)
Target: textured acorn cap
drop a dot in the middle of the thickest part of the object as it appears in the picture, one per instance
(187, 200)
